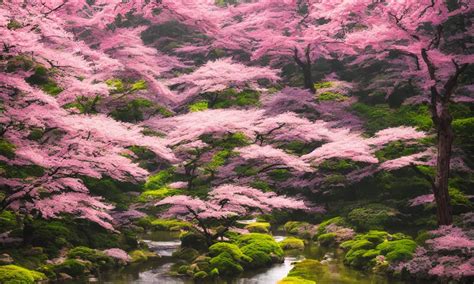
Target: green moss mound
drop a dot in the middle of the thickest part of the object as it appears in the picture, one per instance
(96, 257)
(13, 274)
(232, 249)
(374, 216)
(141, 255)
(226, 265)
(258, 227)
(309, 270)
(262, 249)
(169, 225)
(327, 239)
(364, 248)
(157, 194)
(292, 243)
(73, 267)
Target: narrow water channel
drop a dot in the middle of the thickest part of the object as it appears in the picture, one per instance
(165, 243)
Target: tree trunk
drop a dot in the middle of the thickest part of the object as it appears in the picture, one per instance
(308, 78)
(440, 189)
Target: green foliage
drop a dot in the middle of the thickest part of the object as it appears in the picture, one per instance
(7, 221)
(141, 255)
(221, 247)
(397, 250)
(262, 249)
(157, 194)
(169, 225)
(138, 85)
(133, 111)
(246, 170)
(19, 62)
(198, 106)
(373, 216)
(9, 171)
(226, 265)
(327, 239)
(260, 184)
(14, 25)
(13, 274)
(84, 104)
(258, 227)
(458, 198)
(308, 269)
(53, 236)
(336, 220)
(396, 149)
(160, 179)
(228, 141)
(42, 78)
(295, 280)
(331, 96)
(363, 249)
(219, 159)
(292, 243)
(94, 256)
(338, 165)
(280, 174)
(193, 240)
(188, 254)
(323, 85)
(72, 267)
(231, 97)
(224, 3)
(379, 117)
(7, 149)
(116, 85)
(170, 35)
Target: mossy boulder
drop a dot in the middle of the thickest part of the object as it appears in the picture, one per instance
(292, 243)
(226, 265)
(96, 257)
(308, 269)
(193, 240)
(200, 275)
(142, 255)
(364, 250)
(301, 229)
(258, 227)
(327, 239)
(373, 216)
(73, 267)
(336, 221)
(187, 254)
(261, 248)
(13, 274)
(229, 248)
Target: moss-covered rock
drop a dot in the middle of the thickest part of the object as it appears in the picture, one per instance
(169, 225)
(327, 239)
(188, 254)
(308, 269)
(292, 243)
(73, 267)
(295, 280)
(226, 265)
(231, 249)
(373, 216)
(200, 275)
(13, 274)
(397, 250)
(96, 257)
(261, 248)
(301, 229)
(142, 255)
(258, 227)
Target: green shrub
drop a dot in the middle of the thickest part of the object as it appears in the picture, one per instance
(96, 257)
(42, 78)
(157, 194)
(258, 258)
(7, 149)
(268, 249)
(323, 85)
(169, 225)
(258, 227)
(397, 250)
(193, 240)
(280, 174)
(373, 216)
(188, 254)
(13, 274)
(331, 96)
(200, 275)
(198, 106)
(72, 267)
(7, 221)
(159, 179)
(292, 243)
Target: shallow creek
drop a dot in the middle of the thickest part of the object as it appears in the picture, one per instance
(165, 243)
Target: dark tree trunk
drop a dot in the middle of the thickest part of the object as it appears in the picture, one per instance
(305, 68)
(442, 119)
(440, 189)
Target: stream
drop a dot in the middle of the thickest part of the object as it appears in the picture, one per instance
(165, 243)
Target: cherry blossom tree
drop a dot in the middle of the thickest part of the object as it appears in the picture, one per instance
(416, 38)
(224, 205)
